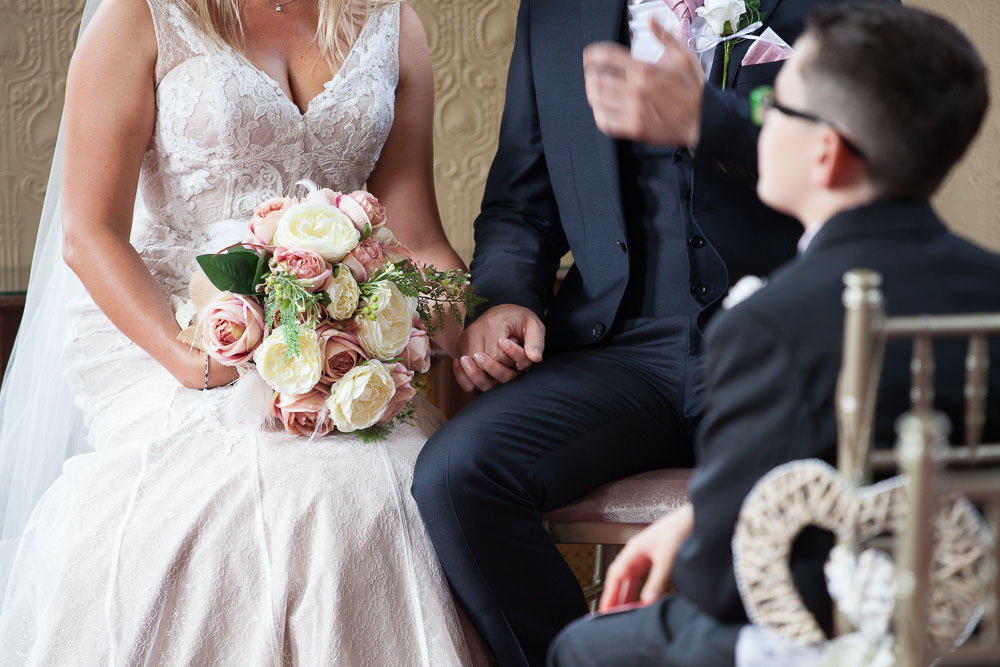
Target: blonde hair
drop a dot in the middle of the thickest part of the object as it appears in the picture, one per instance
(340, 22)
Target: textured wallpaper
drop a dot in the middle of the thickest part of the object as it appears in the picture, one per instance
(470, 46)
(36, 41)
(970, 201)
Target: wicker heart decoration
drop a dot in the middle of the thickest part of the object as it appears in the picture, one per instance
(812, 493)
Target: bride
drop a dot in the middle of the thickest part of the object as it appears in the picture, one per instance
(180, 537)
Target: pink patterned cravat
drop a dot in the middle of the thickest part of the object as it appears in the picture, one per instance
(685, 12)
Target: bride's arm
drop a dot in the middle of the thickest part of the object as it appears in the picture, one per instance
(403, 179)
(108, 122)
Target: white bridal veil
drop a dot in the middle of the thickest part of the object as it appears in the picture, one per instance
(40, 426)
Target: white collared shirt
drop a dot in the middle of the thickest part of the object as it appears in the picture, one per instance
(649, 49)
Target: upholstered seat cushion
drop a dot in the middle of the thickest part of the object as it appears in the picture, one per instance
(640, 499)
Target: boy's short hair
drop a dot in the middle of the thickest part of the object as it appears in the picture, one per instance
(907, 86)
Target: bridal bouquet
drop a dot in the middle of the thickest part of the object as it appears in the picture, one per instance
(324, 304)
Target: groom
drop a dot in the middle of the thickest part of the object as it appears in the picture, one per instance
(599, 381)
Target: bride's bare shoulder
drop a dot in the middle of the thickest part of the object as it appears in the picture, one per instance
(120, 35)
(414, 53)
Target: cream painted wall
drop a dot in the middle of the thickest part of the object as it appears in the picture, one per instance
(970, 200)
(36, 41)
(470, 46)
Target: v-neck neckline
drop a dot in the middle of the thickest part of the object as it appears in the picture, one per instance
(240, 57)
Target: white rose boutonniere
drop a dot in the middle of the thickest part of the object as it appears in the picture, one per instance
(719, 13)
(731, 21)
(744, 288)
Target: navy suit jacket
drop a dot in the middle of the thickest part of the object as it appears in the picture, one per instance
(554, 184)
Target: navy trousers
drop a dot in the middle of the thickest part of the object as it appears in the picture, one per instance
(577, 420)
(672, 632)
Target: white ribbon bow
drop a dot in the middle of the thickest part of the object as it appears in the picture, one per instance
(715, 40)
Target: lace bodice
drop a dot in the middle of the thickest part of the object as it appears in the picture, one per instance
(226, 136)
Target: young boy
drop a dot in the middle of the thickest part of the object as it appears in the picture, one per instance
(866, 120)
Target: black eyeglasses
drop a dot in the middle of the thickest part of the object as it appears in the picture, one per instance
(762, 99)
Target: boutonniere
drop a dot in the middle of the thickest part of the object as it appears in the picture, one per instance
(744, 288)
(731, 21)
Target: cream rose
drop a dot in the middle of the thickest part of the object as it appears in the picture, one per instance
(318, 227)
(718, 12)
(296, 374)
(344, 294)
(361, 397)
(386, 332)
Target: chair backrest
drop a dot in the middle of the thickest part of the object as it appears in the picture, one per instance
(971, 468)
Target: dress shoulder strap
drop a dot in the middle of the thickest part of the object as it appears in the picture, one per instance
(378, 47)
(178, 36)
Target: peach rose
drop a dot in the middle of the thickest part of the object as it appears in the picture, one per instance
(363, 209)
(341, 351)
(233, 328)
(365, 259)
(324, 196)
(265, 219)
(417, 355)
(404, 391)
(304, 414)
(392, 248)
(305, 265)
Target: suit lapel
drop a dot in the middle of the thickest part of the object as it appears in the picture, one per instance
(767, 8)
(601, 21)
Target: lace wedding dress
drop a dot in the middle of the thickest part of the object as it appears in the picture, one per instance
(184, 538)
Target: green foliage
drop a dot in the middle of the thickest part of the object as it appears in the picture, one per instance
(440, 294)
(294, 305)
(238, 270)
(747, 19)
(376, 432)
(380, 432)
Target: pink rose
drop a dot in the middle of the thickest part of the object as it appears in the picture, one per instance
(265, 219)
(365, 259)
(342, 351)
(404, 392)
(417, 355)
(233, 328)
(393, 249)
(305, 265)
(301, 414)
(363, 208)
(324, 196)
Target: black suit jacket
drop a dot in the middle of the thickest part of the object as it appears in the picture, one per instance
(554, 183)
(771, 370)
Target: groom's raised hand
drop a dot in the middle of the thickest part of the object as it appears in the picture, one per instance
(658, 103)
(502, 343)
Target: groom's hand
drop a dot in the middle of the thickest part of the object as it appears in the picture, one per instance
(658, 103)
(502, 343)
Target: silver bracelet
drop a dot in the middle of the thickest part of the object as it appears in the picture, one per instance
(205, 386)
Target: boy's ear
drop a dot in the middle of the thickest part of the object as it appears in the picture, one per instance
(835, 165)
